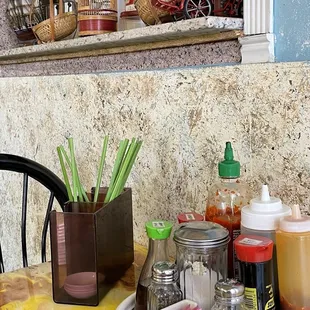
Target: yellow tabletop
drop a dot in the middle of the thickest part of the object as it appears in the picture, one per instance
(31, 288)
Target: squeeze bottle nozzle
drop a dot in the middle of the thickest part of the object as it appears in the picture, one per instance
(265, 193)
(229, 154)
(296, 214)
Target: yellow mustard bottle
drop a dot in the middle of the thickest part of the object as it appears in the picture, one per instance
(293, 253)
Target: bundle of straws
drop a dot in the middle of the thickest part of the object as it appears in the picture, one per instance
(125, 158)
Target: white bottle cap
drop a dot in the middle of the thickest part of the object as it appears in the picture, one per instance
(296, 222)
(264, 213)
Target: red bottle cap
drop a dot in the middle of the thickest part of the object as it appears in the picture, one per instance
(253, 249)
(189, 217)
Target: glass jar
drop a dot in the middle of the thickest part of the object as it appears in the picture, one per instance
(158, 233)
(201, 257)
(229, 295)
(163, 290)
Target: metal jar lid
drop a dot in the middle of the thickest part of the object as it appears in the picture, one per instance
(201, 235)
(229, 289)
(164, 272)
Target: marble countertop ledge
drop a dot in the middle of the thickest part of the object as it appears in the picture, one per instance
(137, 39)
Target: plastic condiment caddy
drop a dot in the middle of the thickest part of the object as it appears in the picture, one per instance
(92, 245)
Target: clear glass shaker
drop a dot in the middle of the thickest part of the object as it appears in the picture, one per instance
(201, 257)
(163, 290)
(229, 295)
(158, 232)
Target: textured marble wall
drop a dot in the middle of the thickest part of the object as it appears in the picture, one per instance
(184, 117)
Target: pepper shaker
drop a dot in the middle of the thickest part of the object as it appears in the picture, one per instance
(163, 290)
(229, 295)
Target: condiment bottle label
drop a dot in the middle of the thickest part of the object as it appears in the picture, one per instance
(158, 224)
(250, 241)
(189, 216)
(251, 301)
(250, 298)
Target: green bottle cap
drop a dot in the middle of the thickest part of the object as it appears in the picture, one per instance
(229, 168)
(158, 229)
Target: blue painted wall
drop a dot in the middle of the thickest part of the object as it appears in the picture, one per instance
(292, 30)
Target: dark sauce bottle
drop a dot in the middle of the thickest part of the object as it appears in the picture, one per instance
(255, 260)
(158, 232)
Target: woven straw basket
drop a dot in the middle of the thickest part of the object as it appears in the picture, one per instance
(56, 27)
(150, 14)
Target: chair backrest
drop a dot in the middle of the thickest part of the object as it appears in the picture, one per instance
(47, 178)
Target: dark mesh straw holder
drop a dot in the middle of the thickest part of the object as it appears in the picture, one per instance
(92, 247)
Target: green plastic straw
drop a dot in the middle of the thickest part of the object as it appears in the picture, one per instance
(66, 156)
(64, 172)
(119, 181)
(126, 156)
(74, 174)
(118, 161)
(128, 168)
(82, 190)
(101, 166)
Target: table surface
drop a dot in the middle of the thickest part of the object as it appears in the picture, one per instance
(31, 288)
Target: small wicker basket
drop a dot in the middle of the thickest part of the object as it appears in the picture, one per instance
(56, 27)
(150, 14)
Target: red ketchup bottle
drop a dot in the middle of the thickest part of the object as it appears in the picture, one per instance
(225, 200)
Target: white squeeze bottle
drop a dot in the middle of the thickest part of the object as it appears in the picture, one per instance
(262, 218)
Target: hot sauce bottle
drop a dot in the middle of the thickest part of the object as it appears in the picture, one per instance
(225, 200)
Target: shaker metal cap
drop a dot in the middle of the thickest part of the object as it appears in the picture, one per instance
(164, 272)
(201, 234)
(229, 288)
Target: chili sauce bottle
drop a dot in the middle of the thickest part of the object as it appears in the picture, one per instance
(225, 200)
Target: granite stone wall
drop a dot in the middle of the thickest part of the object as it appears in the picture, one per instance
(184, 117)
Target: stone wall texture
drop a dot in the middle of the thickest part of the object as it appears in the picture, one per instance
(184, 117)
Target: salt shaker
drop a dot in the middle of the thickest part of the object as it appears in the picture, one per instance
(163, 290)
(229, 295)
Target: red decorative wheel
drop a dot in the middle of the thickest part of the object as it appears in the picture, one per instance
(197, 8)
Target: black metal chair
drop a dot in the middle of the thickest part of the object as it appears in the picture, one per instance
(47, 178)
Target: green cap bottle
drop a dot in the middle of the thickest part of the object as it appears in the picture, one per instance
(158, 229)
(229, 168)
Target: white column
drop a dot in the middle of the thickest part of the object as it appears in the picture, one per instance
(258, 16)
(258, 43)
